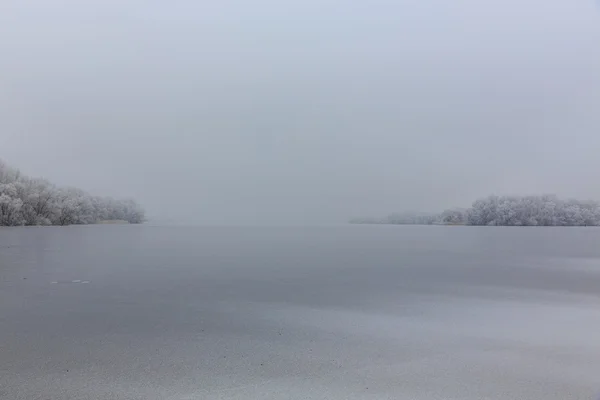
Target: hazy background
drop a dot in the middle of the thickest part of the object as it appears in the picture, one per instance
(306, 111)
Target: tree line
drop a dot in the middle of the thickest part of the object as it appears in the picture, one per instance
(545, 210)
(36, 201)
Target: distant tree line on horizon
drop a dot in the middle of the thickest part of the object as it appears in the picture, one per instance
(545, 210)
(35, 201)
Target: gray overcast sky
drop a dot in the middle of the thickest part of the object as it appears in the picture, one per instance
(302, 111)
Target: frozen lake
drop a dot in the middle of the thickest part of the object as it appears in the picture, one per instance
(346, 312)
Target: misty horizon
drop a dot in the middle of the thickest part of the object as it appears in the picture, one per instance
(306, 112)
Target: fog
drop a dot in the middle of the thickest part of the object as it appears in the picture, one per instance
(303, 111)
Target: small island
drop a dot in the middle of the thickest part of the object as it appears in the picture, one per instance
(35, 201)
(544, 210)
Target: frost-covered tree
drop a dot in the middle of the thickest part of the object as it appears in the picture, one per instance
(453, 217)
(547, 210)
(27, 201)
(412, 219)
(39, 201)
(10, 205)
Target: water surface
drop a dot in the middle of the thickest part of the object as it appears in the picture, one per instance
(346, 312)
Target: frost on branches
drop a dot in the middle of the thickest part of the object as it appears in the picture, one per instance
(29, 201)
(546, 210)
